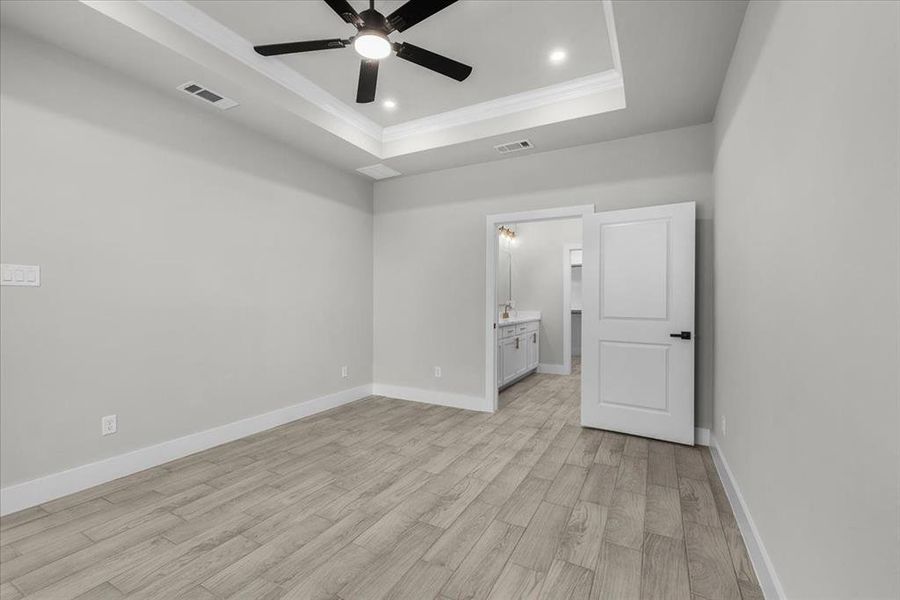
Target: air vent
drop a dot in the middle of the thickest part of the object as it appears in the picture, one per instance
(198, 91)
(513, 147)
(378, 171)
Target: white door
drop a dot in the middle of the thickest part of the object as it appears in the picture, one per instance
(637, 347)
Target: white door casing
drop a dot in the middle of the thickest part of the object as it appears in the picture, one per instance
(638, 291)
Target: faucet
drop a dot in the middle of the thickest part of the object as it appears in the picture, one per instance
(506, 308)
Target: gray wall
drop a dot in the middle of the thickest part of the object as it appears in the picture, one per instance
(430, 247)
(538, 278)
(806, 290)
(193, 273)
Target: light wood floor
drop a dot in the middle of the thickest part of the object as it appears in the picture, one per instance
(391, 499)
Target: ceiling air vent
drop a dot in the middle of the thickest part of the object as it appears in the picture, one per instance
(378, 171)
(514, 147)
(198, 91)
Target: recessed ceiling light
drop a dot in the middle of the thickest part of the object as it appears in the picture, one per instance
(389, 104)
(558, 56)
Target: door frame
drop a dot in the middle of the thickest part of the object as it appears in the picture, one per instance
(567, 306)
(492, 247)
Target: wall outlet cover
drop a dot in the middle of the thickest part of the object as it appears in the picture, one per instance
(108, 425)
(724, 426)
(345, 372)
(437, 371)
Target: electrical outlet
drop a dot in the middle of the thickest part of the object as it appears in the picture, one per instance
(345, 372)
(437, 371)
(724, 426)
(108, 425)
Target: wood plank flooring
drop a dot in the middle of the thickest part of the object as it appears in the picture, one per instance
(386, 499)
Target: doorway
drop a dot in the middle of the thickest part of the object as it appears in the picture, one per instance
(572, 290)
(638, 311)
(492, 304)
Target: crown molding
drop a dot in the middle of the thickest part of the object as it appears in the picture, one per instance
(197, 23)
(611, 35)
(499, 107)
(203, 26)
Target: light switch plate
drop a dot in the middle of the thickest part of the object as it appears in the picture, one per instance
(20, 275)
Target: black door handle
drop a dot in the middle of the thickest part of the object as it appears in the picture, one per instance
(685, 335)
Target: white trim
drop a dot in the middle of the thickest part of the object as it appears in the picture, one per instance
(203, 27)
(567, 306)
(551, 369)
(429, 396)
(612, 36)
(701, 436)
(762, 563)
(506, 105)
(490, 283)
(56, 485)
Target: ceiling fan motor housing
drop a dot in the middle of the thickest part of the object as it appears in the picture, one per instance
(374, 22)
(372, 43)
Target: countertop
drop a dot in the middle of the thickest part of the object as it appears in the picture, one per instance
(523, 316)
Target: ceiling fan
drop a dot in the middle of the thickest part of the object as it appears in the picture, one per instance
(372, 42)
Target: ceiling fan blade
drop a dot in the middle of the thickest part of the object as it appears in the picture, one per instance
(435, 62)
(346, 12)
(415, 11)
(368, 77)
(293, 47)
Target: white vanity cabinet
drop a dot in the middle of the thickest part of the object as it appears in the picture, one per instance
(518, 351)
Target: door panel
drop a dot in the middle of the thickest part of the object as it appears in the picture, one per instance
(634, 374)
(634, 270)
(638, 289)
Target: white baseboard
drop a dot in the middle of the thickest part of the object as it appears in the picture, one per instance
(43, 489)
(762, 563)
(701, 436)
(551, 369)
(431, 397)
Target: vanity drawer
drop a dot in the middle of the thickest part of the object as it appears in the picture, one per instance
(508, 331)
(531, 326)
(521, 328)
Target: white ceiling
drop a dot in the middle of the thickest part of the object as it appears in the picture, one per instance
(506, 43)
(673, 60)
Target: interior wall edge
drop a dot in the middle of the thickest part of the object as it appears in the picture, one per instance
(36, 491)
(768, 579)
(552, 369)
(435, 397)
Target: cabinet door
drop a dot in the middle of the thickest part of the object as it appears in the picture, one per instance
(508, 355)
(521, 355)
(499, 363)
(533, 343)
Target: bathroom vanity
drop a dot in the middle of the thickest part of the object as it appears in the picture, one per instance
(518, 347)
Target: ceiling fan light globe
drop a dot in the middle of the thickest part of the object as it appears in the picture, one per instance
(372, 45)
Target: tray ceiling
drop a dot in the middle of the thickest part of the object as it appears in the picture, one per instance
(507, 43)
